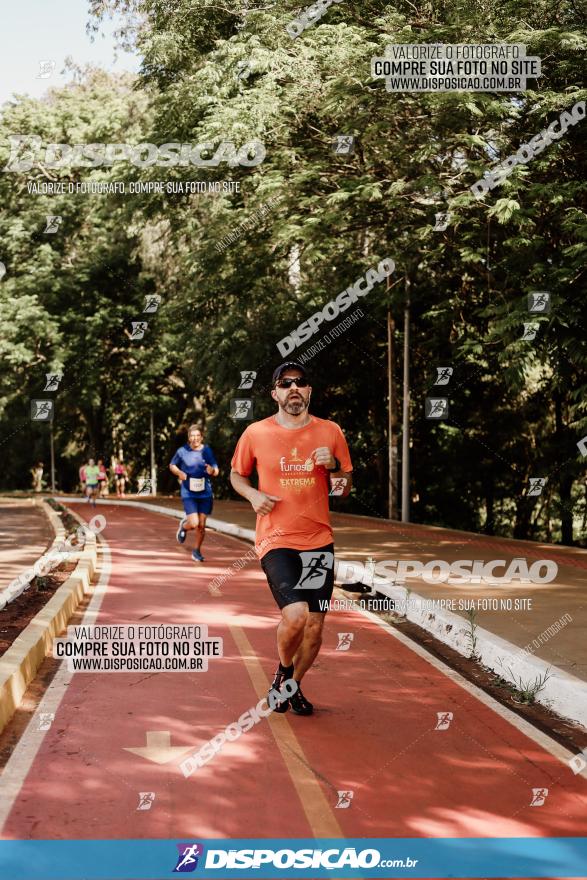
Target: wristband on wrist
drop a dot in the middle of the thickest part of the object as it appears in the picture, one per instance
(336, 466)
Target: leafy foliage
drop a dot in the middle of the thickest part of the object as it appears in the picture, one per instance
(516, 407)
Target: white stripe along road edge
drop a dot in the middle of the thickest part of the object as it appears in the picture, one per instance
(21, 760)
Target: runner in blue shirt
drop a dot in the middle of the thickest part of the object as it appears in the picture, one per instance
(194, 464)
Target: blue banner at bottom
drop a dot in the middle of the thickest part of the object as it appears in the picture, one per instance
(386, 858)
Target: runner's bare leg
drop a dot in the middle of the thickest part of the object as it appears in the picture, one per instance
(310, 645)
(201, 529)
(290, 631)
(190, 522)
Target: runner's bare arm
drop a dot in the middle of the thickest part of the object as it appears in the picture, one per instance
(323, 456)
(175, 470)
(260, 501)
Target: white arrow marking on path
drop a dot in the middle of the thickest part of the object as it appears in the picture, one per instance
(159, 748)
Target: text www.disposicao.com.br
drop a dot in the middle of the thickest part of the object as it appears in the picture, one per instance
(134, 664)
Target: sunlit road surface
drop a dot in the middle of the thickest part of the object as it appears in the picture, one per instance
(540, 605)
(25, 534)
(423, 752)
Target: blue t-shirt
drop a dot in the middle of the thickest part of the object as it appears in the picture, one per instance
(193, 463)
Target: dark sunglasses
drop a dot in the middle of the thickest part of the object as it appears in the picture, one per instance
(287, 383)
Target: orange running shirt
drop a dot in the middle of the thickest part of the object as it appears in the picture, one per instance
(282, 457)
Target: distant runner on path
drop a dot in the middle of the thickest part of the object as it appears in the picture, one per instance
(194, 464)
(92, 477)
(296, 456)
(82, 478)
(120, 477)
(102, 478)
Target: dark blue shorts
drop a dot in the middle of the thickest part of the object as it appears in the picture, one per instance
(197, 505)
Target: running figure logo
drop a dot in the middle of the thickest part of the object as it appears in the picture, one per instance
(23, 152)
(46, 68)
(578, 763)
(344, 800)
(337, 485)
(247, 379)
(436, 407)
(187, 860)
(444, 374)
(539, 301)
(42, 410)
(45, 720)
(441, 221)
(54, 221)
(146, 799)
(241, 409)
(243, 68)
(537, 484)
(343, 145)
(344, 641)
(444, 719)
(138, 329)
(539, 795)
(315, 568)
(152, 303)
(530, 331)
(52, 381)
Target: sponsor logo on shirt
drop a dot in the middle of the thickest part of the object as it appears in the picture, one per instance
(295, 463)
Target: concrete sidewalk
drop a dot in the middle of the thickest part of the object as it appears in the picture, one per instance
(358, 538)
(25, 534)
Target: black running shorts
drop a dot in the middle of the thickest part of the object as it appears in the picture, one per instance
(300, 576)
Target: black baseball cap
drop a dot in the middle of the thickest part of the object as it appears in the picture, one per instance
(288, 365)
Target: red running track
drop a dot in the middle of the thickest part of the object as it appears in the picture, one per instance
(373, 731)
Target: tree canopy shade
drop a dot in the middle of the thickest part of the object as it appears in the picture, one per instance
(238, 270)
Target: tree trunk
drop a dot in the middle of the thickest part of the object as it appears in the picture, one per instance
(489, 527)
(565, 488)
(524, 507)
(565, 480)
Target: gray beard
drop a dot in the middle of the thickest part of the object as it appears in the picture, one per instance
(295, 407)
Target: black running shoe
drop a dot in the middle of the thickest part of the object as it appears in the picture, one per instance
(299, 704)
(273, 697)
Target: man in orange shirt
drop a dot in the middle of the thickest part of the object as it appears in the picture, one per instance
(295, 455)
